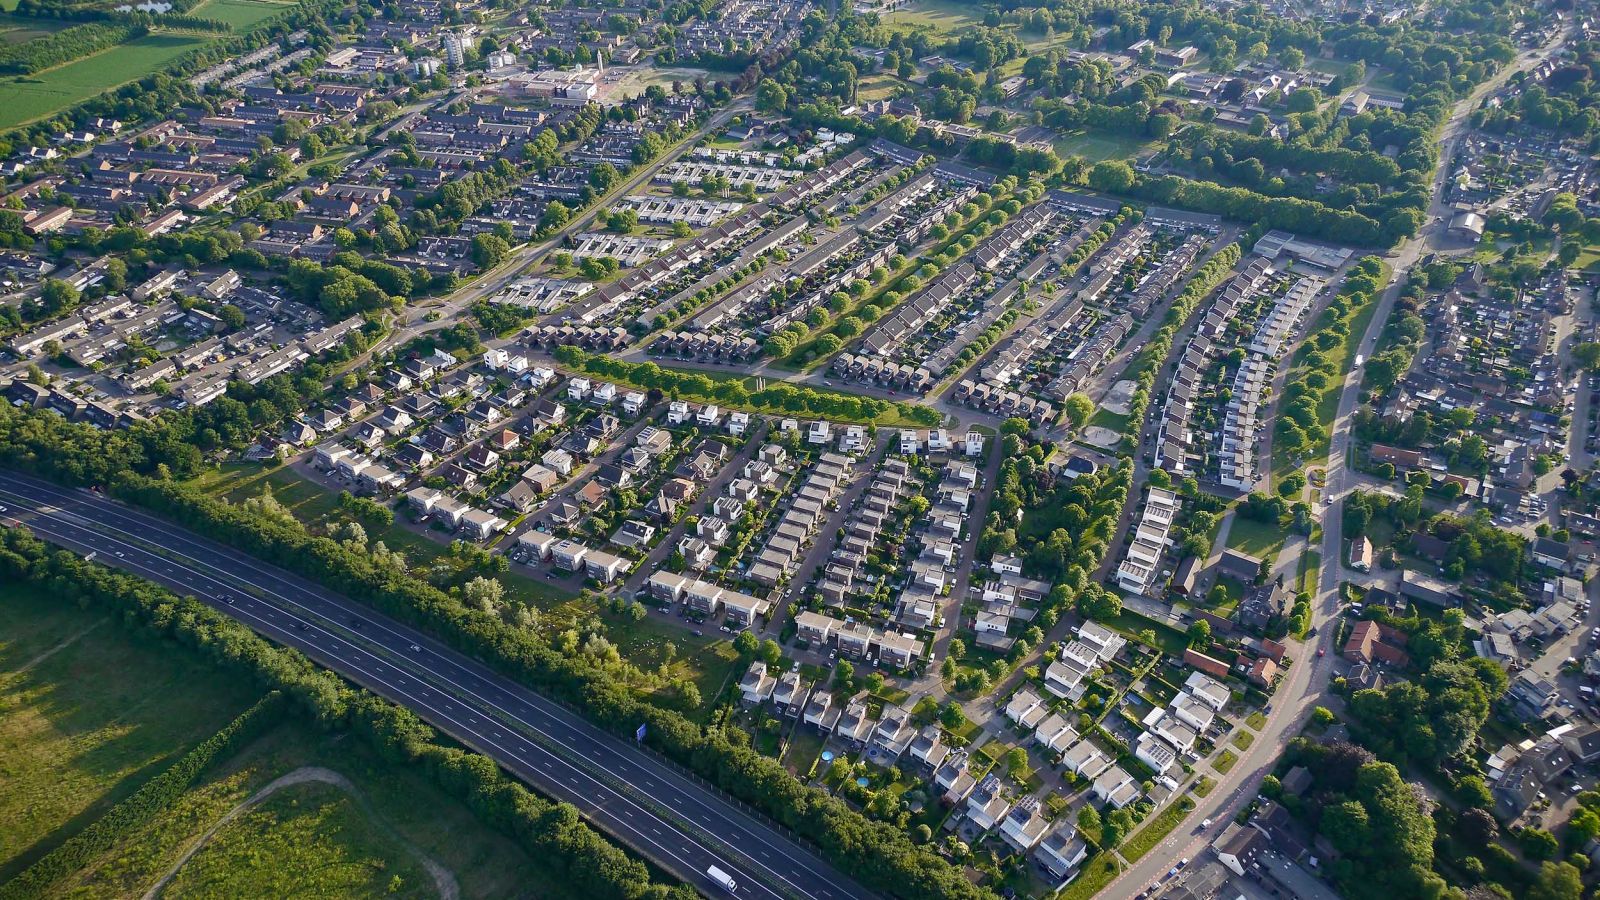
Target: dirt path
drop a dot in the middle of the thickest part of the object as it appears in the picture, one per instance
(67, 642)
(444, 881)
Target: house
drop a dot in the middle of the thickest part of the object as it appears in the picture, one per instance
(1531, 697)
(1428, 590)
(1239, 846)
(1208, 691)
(821, 713)
(1061, 851)
(756, 685)
(1209, 665)
(954, 779)
(1239, 565)
(987, 804)
(1155, 753)
(1085, 759)
(928, 748)
(536, 544)
(1055, 733)
(1024, 826)
(1263, 673)
(1515, 791)
(1261, 604)
(605, 567)
(481, 525)
(677, 412)
(1192, 711)
(1026, 708)
(974, 443)
(1361, 554)
(1552, 553)
(1371, 642)
(1116, 787)
(893, 734)
(790, 695)
(568, 555)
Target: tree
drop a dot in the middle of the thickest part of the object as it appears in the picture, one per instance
(1200, 633)
(1089, 824)
(952, 716)
(771, 653)
(1587, 355)
(1078, 410)
(1112, 176)
(746, 645)
(483, 593)
(489, 249)
(1537, 843)
(1557, 881)
(844, 676)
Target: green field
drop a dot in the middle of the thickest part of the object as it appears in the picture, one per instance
(88, 712)
(33, 97)
(943, 17)
(1097, 145)
(86, 717)
(306, 840)
(241, 14)
(1156, 830)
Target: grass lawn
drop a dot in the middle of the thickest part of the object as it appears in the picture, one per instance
(1243, 739)
(1097, 145)
(881, 87)
(87, 716)
(1204, 786)
(944, 17)
(1588, 259)
(1105, 418)
(1225, 761)
(1130, 623)
(1097, 872)
(1156, 830)
(1256, 720)
(1258, 539)
(1310, 572)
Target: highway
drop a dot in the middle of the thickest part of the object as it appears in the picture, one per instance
(669, 817)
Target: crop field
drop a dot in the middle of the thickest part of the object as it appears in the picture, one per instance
(32, 97)
(86, 717)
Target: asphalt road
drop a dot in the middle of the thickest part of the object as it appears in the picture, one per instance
(679, 823)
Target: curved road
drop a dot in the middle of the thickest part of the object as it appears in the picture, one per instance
(671, 818)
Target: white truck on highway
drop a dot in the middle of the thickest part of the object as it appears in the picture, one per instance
(723, 879)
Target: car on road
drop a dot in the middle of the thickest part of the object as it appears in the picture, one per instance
(415, 649)
(1204, 824)
(1322, 651)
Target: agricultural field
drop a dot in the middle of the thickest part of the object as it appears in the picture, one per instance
(86, 717)
(33, 97)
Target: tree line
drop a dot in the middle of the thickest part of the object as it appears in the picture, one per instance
(778, 398)
(64, 46)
